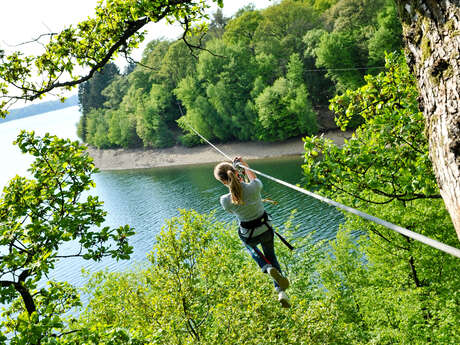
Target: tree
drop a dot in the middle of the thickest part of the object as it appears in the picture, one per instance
(242, 29)
(386, 158)
(388, 37)
(37, 216)
(322, 5)
(90, 94)
(115, 91)
(200, 287)
(152, 118)
(282, 30)
(216, 96)
(430, 30)
(190, 93)
(355, 35)
(115, 29)
(152, 59)
(97, 129)
(178, 55)
(340, 53)
(217, 25)
(353, 15)
(385, 170)
(283, 108)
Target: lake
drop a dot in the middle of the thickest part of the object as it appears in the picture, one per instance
(145, 198)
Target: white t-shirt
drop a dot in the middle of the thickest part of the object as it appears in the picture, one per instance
(252, 207)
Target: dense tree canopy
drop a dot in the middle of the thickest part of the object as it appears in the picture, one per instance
(387, 157)
(200, 287)
(239, 87)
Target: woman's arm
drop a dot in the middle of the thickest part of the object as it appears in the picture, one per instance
(249, 173)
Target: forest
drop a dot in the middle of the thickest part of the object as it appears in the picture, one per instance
(264, 75)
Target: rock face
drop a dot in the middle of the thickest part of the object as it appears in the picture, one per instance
(431, 30)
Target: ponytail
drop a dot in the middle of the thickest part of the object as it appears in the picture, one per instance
(225, 173)
(235, 188)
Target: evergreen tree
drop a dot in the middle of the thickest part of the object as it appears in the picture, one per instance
(90, 94)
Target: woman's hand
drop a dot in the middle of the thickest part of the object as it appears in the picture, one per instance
(240, 160)
(249, 173)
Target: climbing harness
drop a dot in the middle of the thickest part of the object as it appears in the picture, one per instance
(263, 220)
(399, 229)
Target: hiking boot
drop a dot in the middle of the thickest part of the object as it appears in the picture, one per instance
(284, 299)
(281, 280)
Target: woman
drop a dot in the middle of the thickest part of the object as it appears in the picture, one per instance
(245, 202)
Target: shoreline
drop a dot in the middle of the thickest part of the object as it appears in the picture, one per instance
(140, 158)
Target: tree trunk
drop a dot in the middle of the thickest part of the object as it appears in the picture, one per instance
(431, 30)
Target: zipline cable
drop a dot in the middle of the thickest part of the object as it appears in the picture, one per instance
(406, 232)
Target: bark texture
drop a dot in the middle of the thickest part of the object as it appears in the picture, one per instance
(431, 30)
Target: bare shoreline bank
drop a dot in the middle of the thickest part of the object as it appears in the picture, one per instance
(121, 159)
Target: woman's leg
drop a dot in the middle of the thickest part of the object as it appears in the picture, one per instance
(266, 240)
(269, 264)
(268, 248)
(257, 256)
(281, 282)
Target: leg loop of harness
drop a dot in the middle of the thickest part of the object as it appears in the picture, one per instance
(263, 220)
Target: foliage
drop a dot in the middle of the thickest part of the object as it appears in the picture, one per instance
(369, 286)
(284, 109)
(359, 31)
(322, 5)
(141, 109)
(238, 86)
(218, 94)
(387, 157)
(243, 28)
(236, 97)
(388, 285)
(114, 92)
(201, 287)
(281, 31)
(151, 123)
(92, 43)
(353, 15)
(340, 53)
(239, 73)
(388, 37)
(90, 96)
(217, 25)
(90, 92)
(178, 54)
(37, 216)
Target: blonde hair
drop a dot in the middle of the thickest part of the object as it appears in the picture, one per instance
(225, 173)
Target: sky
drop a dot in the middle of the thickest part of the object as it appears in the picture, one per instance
(24, 20)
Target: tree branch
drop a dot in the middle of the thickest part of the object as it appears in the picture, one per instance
(51, 34)
(191, 46)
